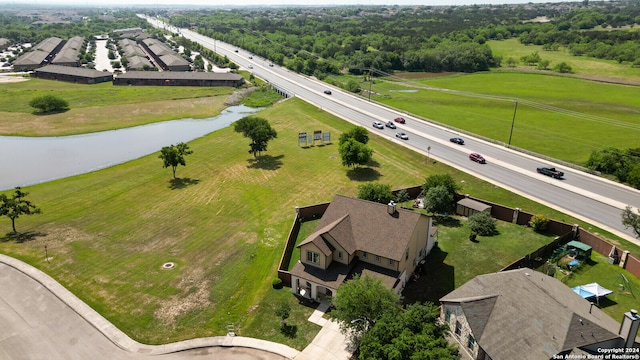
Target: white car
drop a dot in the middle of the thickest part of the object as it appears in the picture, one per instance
(378, 124)
(250, 66)
(402, 136)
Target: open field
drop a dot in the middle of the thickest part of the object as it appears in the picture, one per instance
(564, 118)
(103, 106)
(223, 224)
(598, 69)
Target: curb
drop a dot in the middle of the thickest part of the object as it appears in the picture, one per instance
(121, 340)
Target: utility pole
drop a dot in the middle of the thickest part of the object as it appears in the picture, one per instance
(513, 121)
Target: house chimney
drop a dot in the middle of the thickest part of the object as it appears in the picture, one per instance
(629, 327)
(391, 207)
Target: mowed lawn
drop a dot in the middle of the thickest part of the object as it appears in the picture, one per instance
(223, 224)
(101, 107)
(564, 118)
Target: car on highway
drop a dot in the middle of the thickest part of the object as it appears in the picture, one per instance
(328, 92)
(550, 171)
(477, 158)
(236, 50)
(402, 136)
(400, 120)
(378, 124)
(250, 57)
(390, 125)
(457, 140)
(250, 66)
(270, 65)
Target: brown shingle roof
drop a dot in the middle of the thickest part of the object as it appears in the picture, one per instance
(524, 314)
(372, 229)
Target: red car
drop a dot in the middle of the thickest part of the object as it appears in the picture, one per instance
(399, 120)
(477, 158)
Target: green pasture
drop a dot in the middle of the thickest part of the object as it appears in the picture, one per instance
(564, 118)
(581, 65)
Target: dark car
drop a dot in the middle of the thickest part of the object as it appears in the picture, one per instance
(390, 125)
(477, 158)
(236, 50)
(399, 120)
(402, 136)
(457, 140)
(550, 171)
(328, 92)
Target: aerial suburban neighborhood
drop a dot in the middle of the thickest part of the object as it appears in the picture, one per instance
(345, 181)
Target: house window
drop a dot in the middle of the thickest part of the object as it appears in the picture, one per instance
(392, 263)
(313, 257)
(471, 342)
(339, 254)
(458, 328)
(448, 316)
(377, 258)
(365, 255)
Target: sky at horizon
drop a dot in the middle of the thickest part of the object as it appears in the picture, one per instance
(240, 3)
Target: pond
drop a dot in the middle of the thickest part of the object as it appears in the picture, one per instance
(33, 160)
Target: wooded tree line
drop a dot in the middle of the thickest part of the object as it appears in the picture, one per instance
(319, 41)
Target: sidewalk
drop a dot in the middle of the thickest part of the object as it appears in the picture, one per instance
(18, 281)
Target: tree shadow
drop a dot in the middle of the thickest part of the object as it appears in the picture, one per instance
(363, 174)
(448, 222)
(290, 331)
(181, 183)
(21, 237)
(266, 162)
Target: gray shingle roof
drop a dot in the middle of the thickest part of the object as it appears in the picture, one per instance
(524, 314)
(170, 75)
(39, 52)
(74, 71)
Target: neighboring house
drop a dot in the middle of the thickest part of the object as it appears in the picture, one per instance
(69, 55)
(356, 236)
(172, 78)
(78, 75)
(525, 314)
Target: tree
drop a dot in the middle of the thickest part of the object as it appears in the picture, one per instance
(539, 222)
(359, 303)
(380, 193)
(358, 133)
(441, 180)
(631, 220)
(438, 200)
(258, 130)
(563, 68)
(411, 334)
(354, 153)
(283, 310)
(16, 205)
(49, 104)
(482, 223)
(174, 155)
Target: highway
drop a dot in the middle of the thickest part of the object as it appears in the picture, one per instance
(584, 196)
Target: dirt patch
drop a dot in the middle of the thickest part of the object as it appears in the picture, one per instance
(237, 96)
(194, 294)
(12, 79)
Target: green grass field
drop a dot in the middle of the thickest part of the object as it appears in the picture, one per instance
(581, 65)
(223, 223)
(564, 118)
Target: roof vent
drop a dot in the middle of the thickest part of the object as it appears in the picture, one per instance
(391, 207)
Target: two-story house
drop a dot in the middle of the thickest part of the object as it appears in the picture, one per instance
(356, 236)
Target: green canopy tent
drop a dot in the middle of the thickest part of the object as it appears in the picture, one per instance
(579, 250)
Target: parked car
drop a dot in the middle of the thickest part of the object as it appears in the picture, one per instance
(399, 120)
(328, 92)
(457, 140)
(477, 158)
(378, 124)
(390, 125)
(402, 136)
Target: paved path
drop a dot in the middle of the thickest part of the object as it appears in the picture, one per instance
(43, 320)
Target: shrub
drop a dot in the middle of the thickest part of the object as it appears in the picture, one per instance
(277, 283)
(482, 223)
(49, 104)
(539, 222)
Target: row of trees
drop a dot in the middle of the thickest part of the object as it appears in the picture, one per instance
(623, 164)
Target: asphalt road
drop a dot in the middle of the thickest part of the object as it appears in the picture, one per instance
(584, 196)
(37, 324)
